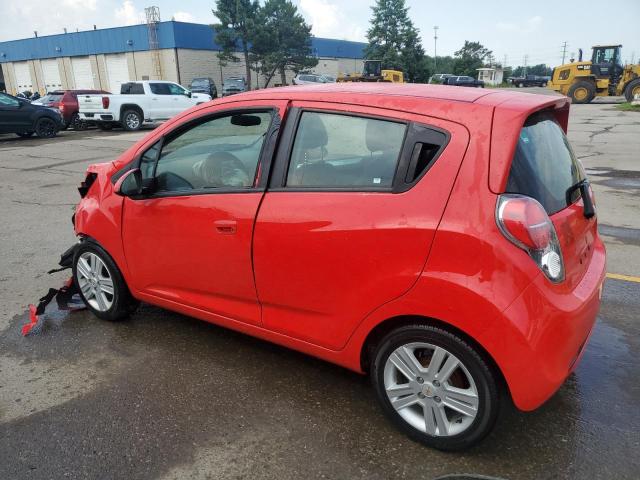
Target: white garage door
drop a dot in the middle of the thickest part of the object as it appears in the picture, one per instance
(82, 76)
(51, 74)
(23, 76)
(117, 71)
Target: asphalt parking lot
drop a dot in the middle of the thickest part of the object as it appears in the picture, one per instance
(163, 396)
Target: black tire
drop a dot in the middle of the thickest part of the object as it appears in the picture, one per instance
(575, 92)
(77, 123)
(104, 126)
(131, 120)
(25, 134)
(46, 127)
(632, 88)
(483, 376)
(123, 304)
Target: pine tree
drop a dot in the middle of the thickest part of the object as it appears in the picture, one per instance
(394, 39)
(282, 40)
(236, 27)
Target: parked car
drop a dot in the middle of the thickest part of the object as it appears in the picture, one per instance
(463, 81)
(204, 85)
(311, 78)
(439, 77)
(444, 241)
(23, 118)
(233, 85)
(529, 81)
(66, 102)
(139, 102)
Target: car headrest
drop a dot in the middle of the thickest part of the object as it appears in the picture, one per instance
(313, 133)
(377, 136)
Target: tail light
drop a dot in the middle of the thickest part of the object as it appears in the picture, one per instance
(525, 223)
(105, 102)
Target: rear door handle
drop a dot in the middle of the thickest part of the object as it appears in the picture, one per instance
(226, 227)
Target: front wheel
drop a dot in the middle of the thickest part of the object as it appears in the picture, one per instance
(46, 128)
(101, 284)
(435, 387)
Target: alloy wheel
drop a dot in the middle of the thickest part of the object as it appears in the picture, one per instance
(431, 389)
(95, 281)
(46, 128)
(132, 120)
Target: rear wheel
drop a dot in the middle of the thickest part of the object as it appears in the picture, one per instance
(46, 128)
(582, 92)
(78, 124)
(632, 90)
(435, 387)
(131, 120)
(520, 85)
(101, 284)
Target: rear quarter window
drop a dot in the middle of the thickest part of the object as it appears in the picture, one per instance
(544, 166)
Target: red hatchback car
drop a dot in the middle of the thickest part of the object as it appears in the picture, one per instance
(442, 240)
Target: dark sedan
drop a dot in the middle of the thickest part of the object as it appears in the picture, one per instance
(24, 119)
(463, 81)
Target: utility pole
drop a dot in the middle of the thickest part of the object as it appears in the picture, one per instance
(504, 63)
(435, 52)
(564, 51)
(633, 57)
(526, 58)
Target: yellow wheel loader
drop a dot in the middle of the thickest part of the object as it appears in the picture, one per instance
(373, 72)
(603, 76)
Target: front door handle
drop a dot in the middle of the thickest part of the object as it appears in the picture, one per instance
(226, 227)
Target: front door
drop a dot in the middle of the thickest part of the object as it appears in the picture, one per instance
(189, 242)
(352, 207)
(14, 115)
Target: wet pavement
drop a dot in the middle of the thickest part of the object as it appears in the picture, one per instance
(166, 396)
(163, 396)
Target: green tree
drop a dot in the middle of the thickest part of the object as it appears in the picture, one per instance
(235, 30)
(281, 40)
(469, 58)
(394, 39)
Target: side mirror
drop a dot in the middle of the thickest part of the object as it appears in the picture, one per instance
(129, 184)
(189, 94)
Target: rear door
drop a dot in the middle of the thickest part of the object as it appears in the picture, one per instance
(346, 225)
(12, 117)
(545, 167)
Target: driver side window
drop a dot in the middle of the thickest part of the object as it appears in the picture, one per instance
(220, 153)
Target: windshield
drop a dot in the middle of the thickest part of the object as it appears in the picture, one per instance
(234, 82)
(544, 166)
(51, 98)
(200, 83)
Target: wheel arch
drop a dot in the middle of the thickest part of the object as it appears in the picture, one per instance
(131, 106)
(381, 329)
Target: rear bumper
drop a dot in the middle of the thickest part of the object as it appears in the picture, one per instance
(96, 116)
(550, 332)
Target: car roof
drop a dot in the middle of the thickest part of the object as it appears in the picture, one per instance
(377, 89)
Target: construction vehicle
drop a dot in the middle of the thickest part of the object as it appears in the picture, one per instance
(603, 76)
(372, 72)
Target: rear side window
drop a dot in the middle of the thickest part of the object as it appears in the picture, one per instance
(343, 151)
(544, 166)
(132, 89)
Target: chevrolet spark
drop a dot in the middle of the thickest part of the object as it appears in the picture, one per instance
(441, 240)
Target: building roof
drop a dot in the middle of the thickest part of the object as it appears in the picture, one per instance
(135, 38)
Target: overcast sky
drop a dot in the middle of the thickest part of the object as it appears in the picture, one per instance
(535, 28)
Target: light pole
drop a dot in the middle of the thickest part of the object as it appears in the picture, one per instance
(435, 52)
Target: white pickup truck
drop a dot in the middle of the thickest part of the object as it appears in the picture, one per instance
(138, 103)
